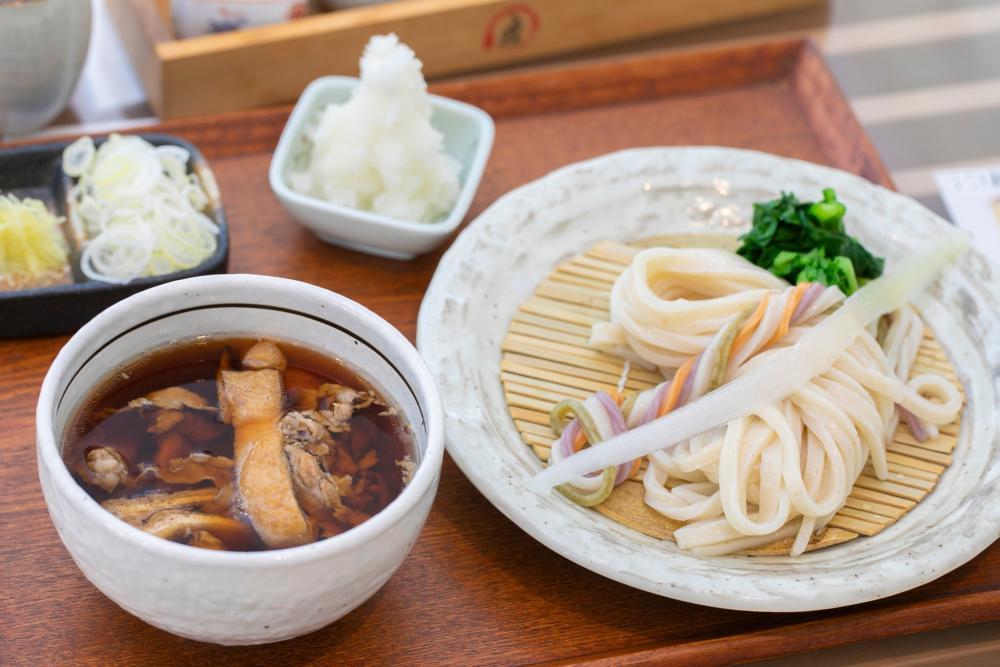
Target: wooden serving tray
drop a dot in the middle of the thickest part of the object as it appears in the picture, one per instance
(476, 589)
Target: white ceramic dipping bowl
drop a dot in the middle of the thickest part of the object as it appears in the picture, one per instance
(233, 597)
(468, 138)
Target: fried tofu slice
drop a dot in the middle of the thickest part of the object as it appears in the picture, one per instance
(136, 510)
(264, 354)
(250, 396)
(265, 483)
(196, 468)
(181, 525)
(171, 398)
(206, 540)
(252, 401)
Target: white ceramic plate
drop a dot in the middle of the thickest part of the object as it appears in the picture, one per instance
(512, 246)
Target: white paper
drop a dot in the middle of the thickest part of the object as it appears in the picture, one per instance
(972, 197)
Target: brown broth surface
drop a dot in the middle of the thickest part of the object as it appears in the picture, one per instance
(193, 366)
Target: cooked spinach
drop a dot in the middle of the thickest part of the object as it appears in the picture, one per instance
(806, 242)
(815, 267)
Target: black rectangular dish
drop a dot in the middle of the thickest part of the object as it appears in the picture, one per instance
(35, 171)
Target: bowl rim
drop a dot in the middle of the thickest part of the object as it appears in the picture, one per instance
(300, 115)
(424, 390)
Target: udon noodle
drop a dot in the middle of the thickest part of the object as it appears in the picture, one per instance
(705, 317)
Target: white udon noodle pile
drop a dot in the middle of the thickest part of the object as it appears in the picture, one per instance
(784, 470)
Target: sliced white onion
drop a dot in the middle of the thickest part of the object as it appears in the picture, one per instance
(78, 156)
(118, 255)
(786, 371)
(140, 209)
(178, 153)
(124, 174)
(174, 160)
(89, 210)
(195, 195)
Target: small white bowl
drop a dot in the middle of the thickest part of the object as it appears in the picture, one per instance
(468, 137)
(237, 597)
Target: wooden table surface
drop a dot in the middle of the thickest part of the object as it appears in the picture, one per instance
(475, 588)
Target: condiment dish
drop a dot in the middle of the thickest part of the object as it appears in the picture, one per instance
(237, 597)
(468, 138)
(35, 170)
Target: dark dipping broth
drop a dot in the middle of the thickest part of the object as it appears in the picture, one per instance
(245, 458)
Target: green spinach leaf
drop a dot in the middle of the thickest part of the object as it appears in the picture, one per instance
(802, 241)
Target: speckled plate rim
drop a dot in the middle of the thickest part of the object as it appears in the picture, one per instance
(499, 259)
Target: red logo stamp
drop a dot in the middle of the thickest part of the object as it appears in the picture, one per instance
(514, 25)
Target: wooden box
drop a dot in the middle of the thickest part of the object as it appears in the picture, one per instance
(272, 64)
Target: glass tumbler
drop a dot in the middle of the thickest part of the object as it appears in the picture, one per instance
(43, 44)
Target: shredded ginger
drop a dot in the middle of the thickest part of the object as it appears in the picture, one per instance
(33, 249)
(378, 152)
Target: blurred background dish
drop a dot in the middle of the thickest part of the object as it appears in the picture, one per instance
(196, 78)
(192, 18)
(43, 44)
(347, 4)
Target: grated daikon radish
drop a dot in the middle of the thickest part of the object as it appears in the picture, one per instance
(788, 370)
(379, 152)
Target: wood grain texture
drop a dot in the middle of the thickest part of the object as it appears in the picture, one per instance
(475, 588)
(142, 29)
(553, 325)
(272, 64)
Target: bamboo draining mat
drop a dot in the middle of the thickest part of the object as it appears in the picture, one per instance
(547, 358)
